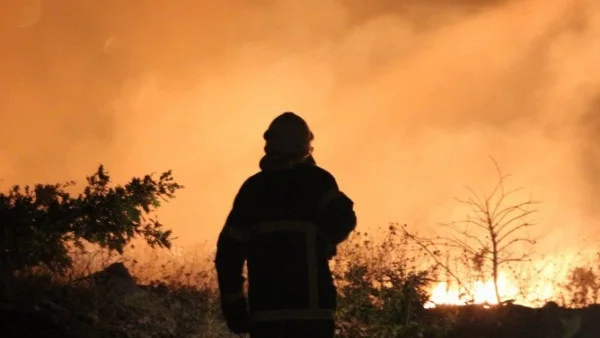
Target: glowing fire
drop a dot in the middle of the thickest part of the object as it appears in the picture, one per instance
(482, 292)
(535, 290)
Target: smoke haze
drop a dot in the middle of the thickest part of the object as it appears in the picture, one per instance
(407, 99)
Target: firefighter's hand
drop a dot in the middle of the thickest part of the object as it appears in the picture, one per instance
(236, 315)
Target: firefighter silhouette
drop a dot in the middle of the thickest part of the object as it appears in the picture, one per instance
(285, 223)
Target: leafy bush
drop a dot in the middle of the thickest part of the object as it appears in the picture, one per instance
(41, 223)
(382, 292)
(582, 286)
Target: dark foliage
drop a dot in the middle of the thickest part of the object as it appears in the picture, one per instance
(40, 224)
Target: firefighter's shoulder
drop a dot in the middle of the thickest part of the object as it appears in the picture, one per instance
(249, 187)
(323, 176)
(255, 179)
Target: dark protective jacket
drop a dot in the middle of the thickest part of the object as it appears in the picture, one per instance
(285, 224)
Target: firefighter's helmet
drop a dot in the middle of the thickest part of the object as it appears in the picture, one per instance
(288, 133)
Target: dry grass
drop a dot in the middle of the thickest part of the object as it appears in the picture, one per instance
(382, 284)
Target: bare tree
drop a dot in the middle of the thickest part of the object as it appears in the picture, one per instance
(486, 236)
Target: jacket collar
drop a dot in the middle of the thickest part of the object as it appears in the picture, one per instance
(281, 162)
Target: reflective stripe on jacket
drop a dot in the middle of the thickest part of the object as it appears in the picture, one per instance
(284, 224)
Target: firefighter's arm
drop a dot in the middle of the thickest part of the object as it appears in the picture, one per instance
(336, 214)
(229, 261)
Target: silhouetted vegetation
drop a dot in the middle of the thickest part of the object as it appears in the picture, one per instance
(382, 290)
(41, 223)
(485, 239)
(68, 271)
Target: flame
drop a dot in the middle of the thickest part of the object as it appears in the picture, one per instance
(483, 292)
(540, 285)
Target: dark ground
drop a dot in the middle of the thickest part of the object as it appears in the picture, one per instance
(515, 321)
(111, 304)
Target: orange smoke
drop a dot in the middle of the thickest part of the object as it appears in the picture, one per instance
(406, 100)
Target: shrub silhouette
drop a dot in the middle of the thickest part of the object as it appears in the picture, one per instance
(383, 280)
(382, 292)
(40, 224)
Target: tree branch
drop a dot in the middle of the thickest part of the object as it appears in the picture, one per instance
(513, 230)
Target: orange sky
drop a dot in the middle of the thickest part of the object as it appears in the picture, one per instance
(406, 101)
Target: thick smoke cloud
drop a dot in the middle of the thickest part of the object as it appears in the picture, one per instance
(407, 99)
